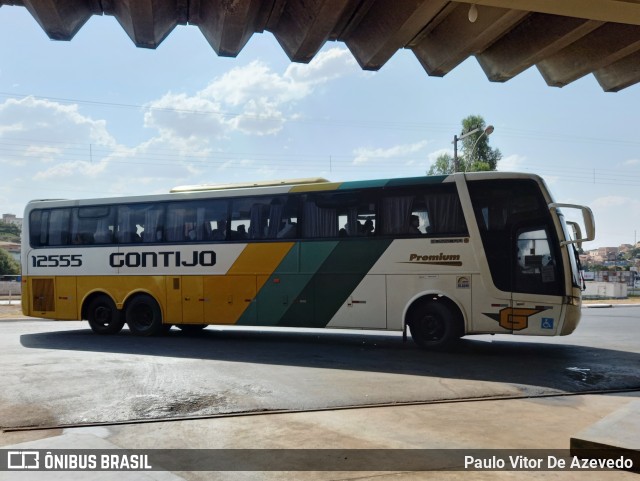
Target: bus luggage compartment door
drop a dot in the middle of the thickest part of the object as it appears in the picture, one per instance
(229, 297)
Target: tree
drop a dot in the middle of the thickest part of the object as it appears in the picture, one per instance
(474, 153)
(9, 232)
(443, 165)
(8, 265)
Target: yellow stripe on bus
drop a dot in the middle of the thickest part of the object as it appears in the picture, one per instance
(316, 187)
(229, 296)
(260, 260)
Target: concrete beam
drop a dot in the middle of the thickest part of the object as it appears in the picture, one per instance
(61, 19)
(534, 39)
(303, 28)
(601, 48)
(618, 11)
(386, 27)
(228, 26)
(147, 22)
(447, 43)
(621, 74)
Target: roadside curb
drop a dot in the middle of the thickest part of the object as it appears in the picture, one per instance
(601, 306)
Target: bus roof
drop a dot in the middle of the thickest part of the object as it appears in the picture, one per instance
(279, 187)
(246, 185)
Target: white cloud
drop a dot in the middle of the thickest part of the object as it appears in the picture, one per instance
(364, 155)
(68, 169)
(252, 99)
(254, 81)
(512, 163)
(40, 131)
(198, 119)
(260, 117)
(612, 201)
(328, 65)
(50, 123)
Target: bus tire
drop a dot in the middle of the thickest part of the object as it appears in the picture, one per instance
(433, 325)
(103, 316)
(143, 316)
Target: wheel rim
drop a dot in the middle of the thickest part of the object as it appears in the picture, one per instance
(432, 327)
(103, 316)
(143, 317)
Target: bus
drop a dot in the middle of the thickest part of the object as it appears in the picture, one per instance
(439, 256)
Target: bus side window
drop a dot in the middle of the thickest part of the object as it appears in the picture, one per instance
(263, 217)
(434, 212)
(338, 214)
(396, 212)
(319, 221)
(92, 225)
(444, 214)
(59, 227)
(536, 265)
(38, 228)
(139, 223)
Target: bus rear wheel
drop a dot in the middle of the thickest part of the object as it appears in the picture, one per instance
(433, 326)
(103, 316)
(143, 316)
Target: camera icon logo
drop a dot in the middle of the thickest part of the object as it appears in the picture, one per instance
(23, 460)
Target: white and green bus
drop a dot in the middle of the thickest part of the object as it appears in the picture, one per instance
(442, 256)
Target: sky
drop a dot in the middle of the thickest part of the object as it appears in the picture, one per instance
(98, 117)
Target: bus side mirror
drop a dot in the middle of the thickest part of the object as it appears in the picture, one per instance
(589, 223)
(577, 232)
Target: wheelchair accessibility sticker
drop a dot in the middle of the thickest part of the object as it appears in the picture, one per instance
(546, 323)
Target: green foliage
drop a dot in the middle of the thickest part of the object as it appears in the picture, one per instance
(474, 152)
(8, 265)
(633, 254)
(9, 232)
(442, 165)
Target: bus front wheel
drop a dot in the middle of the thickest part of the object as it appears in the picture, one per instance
(103, 316)
(433, 325)
(144, 316)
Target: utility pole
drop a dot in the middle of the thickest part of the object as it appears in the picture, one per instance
(456, 163)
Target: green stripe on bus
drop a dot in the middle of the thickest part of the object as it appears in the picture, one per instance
(283, 288)
(363, 184)
(335, 280)
(426, 180)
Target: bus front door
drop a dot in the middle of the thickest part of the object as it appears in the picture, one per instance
(537, 281)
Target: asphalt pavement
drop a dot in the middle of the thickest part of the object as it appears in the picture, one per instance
(542, 427)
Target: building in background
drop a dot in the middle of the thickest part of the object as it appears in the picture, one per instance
(11, 219)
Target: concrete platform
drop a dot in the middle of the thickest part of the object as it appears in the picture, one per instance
(615, 435)
(544, 424)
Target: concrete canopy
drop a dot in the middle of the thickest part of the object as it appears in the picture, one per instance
(564, 39)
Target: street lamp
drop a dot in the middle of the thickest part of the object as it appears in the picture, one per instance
(456, 162)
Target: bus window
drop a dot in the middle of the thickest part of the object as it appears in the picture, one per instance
(264, 217)
(58, 229)
(92, 225)
(38, 220)
(196, 221)
(536, 270)
(435, 213)
(240, 219)
(139, 223)
(514, 220)
(339, 214)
